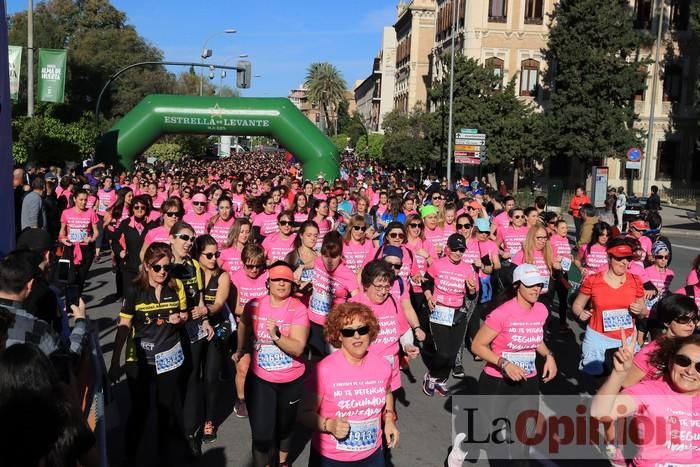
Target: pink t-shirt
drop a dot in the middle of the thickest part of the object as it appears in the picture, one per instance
(502, 221)
(436, 237)
(269, 362)
(641, 360)
(357, 393)
(230, 260)
(267, 223)
(675, 442)
(159, 199)
(392, 325)
(105, 199)
(237, 202)
(330, 289)
(323, 228)
(301, 216)
(540, 264)
(476, 250)
(692, 278)
(660, 279)
(91, 202)
(356, 254)
(696, 290)
(79, 224)
(198, 222)
(248, 288)
(520, 332)
(450, 279)
(512, 238)
(595, 259)
(560, 246)
(159, 234)
(420, 261)
(276, 247)
(220, 231)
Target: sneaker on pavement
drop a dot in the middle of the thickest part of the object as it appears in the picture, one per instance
(441, 388)
(428, 385)
(209, 435)
(240, 409)
(194, 447)
(458, 371)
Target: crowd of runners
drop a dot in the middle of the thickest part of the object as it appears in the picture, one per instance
(321, 291)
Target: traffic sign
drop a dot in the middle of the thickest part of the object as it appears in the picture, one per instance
(634, 155)
(467, 147)
(469, 130)
(472, 142)
(470, 135)
(468, 159)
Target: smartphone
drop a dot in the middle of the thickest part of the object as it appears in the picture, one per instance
(72, 297)
(63, 271)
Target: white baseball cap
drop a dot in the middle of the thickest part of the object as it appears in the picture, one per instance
(527, 274)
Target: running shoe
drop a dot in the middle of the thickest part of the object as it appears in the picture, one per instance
(209, 435)
(428, 385)
(240, 409)
(441, 388)
(458, 371)
(194, 446)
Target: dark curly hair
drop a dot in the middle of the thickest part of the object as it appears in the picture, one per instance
(344, 314)
(661, 358)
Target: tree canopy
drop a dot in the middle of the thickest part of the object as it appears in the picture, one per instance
(326, 86)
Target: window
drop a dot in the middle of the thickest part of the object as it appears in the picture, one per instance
(639, 95)
(673, 74)
(528, 77)
(498, 11)
(642, 14)
(680, 14)
(533, 12)
(666, 155)
(496, 65)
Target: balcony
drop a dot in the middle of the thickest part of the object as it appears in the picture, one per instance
(498, 19)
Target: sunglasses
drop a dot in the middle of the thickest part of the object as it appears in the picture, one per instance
(139, 208)
(686, 319)
(159, 267)
(359, 227)
(464, 226)
(541, 238)
(661, 257)
(682, 361)
(239, 185)
(255, 266)
(396, 235)
(518, 217)
(198, 203)
(283, 223)
(215, 254)
(397, 267)
(622, 258)
(185, 237)
(350, 332)
(173, 214)
(435, 198)
(458, 250)
(415, 226)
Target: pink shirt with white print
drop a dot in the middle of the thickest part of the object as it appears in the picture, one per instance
(276, 247)
(660, 278)
(79, 224)
(512, 238)
(356, 254)
(248, 288)
(220, 231)
(105, 199)
(267, 223)
(595, 258)
(158, 234)
(450, 281)
(421, 262)
(330, 288)
(230, 260)
(540, 264)
(198, 222)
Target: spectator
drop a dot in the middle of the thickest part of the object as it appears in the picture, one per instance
(653, 201)
(18, 185)
(33, 213)
(589, 219)
(620, 206)
(580, 198)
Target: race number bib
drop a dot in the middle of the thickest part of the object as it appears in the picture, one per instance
(442, 315)
(77, 235)
(320, 303)
(102, 206)
(525, 360)
(195, 330)
(307, 275)
(650, 303)
(170, 359)
(614, 320)
(271, 358)
(362, 436)
(565, 264)
(390, 359)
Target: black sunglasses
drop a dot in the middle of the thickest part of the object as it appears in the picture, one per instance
(198, 203)
(678, 359)
(464, 226)
(396, 235)
(255, 266)
(283, 223)
(215, 254)
(173, 214)
(396, 266)
(622, 258)
(185, 237)
(458, 250)
(359, 227)
(350, 332)
(661, 257)
(686, 319)
(416, 225)
(139, 207)
(159, 267)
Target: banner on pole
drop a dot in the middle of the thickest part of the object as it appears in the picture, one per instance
(14, 53)
(52, 75)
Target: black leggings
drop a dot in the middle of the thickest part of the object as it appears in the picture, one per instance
(499, 398)
(81, 270)
(141, 377)
(272, 413)
(206, 362)
(447, 340)
(562, 293)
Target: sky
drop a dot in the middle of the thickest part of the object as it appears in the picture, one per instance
(281, 38)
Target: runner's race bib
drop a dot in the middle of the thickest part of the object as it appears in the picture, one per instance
(77, 235)
(170, 359)
(307, 275)
(320, 303)
(565, 264)
(614, 320)
(272, 358)
(525, 360)
(362, 436)
(650, 303)
(442, 315)
(390, 359)
(195, 330)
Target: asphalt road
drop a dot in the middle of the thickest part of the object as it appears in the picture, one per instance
(425, 423)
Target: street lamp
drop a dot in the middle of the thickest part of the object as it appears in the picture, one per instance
(206, 53)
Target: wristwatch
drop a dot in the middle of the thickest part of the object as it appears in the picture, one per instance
(503, 363)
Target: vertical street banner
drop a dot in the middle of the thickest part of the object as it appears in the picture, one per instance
(52, 75)
(7, 211)
(14, 53)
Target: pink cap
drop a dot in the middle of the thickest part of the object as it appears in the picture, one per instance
(199, 197)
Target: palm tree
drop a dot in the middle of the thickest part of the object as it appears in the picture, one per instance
(326, 86)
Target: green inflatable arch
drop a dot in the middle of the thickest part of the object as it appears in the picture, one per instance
(274, 117)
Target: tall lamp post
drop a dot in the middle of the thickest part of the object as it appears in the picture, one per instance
(650, 130)
(30, 58)
(206, 53)
(452, 89)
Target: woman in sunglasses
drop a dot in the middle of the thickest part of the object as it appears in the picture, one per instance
(217, 299)
(170, 212)
(198, 218)
(450, 289)
(238, 196)
(659, 274)
(617, 301)
(278, 245)
(395, 235)
(509, 341)
(303, 257)
(130, 237)
(357, 248)
(220, 223)
(510, 239)
(149, 325)
(593, 257)
(250, 283)
(670, 401)
(537, 250)
(274, 328)
(238, 238)
(678, 315)
(343, 436)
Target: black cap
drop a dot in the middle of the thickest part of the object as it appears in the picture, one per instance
(456, 242)
(37, 240)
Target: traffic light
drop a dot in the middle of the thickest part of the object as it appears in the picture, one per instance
(243, 74)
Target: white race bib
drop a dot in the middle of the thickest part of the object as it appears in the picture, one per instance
(565, 264)
(77, 235)
(195, 330)
(307, 275)
(362, 436)
(650, 303)
(614, 320)
(390, 359)
(442, 315)
(525, 360)
(170, 359)
(320, 303)
(271, 358)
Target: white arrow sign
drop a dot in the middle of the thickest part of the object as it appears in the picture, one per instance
(470, 135)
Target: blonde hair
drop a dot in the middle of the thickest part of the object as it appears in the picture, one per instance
(529, 247)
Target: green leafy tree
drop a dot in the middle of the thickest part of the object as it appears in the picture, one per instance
(695, 28)
(326, 86)
(407, 139)
(171, 152)
(595, 69)
(340, 141)
(376, 146)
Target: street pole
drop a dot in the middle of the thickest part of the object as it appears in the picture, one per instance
(205, 54)
(30, 58)
(452, 90)
(647, 156)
